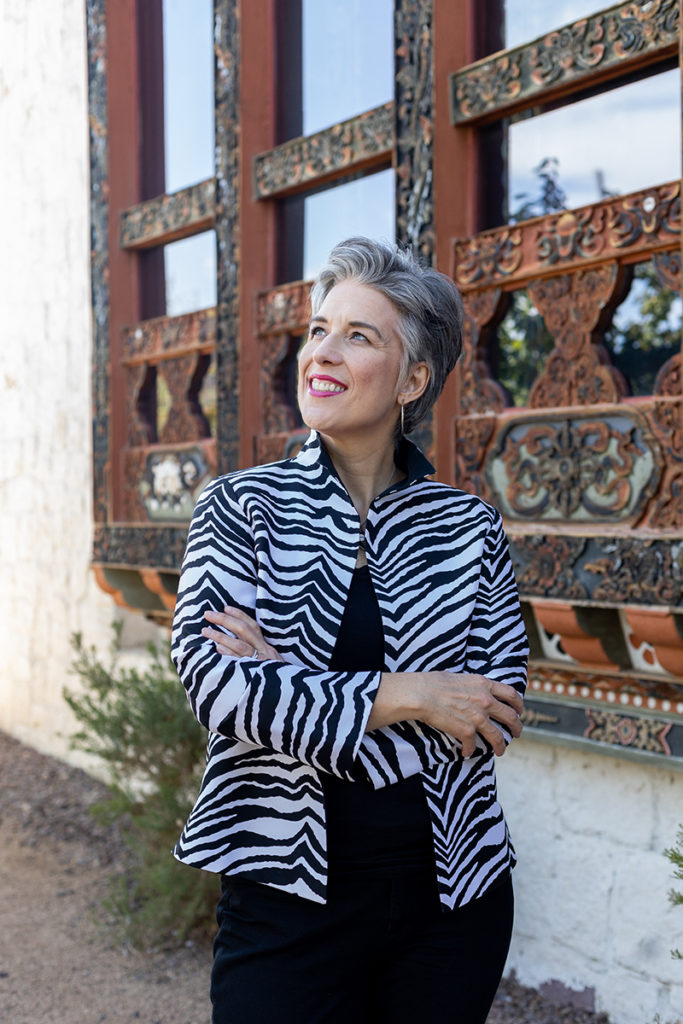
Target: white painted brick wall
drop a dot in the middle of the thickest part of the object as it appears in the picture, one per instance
(592, 881)
(46, 587)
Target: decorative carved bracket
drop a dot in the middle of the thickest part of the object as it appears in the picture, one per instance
(577, 371)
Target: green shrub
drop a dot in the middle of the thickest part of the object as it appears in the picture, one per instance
(140, 725)
(675, 855)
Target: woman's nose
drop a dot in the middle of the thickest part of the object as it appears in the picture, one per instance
(328, 349)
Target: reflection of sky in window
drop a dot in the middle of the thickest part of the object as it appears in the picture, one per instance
(190, 273)
(348, 59)
(525, 21)
(188, 91)
(361, 207)
(629, 137)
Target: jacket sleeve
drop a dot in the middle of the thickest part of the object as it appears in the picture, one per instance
(497, 643)
(315, 716)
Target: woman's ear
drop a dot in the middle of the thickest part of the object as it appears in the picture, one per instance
(417, 381)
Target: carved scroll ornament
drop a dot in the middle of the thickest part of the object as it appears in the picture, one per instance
(540, 70)
(579, 468)
(646, 222)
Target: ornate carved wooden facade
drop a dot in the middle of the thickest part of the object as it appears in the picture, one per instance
(588, 478)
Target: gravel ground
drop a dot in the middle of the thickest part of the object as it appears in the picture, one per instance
(58, 962)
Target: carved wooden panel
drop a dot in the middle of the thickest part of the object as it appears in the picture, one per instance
(346, 148)
(169, 217)
(577, 371)
(591, 468)
(611, 42)
(626, 228)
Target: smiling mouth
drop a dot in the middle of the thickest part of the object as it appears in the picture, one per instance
(320, 386)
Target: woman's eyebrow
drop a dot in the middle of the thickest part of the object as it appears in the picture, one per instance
(367, 327)
(352, 323)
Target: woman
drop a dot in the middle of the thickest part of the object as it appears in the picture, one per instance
(349, 632)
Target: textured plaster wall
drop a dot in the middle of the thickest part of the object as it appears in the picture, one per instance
(591, 883)
(47, 590)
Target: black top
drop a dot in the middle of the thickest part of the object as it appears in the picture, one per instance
(368, 827)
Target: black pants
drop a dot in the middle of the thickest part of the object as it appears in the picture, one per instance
(381, 951)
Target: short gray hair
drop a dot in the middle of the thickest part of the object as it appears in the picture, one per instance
(428, 303)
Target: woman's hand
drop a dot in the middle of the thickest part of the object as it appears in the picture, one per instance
(460, 704)
(247, 641)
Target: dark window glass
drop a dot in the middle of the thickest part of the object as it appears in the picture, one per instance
(188, 92)
(361, 207)
(348, 59)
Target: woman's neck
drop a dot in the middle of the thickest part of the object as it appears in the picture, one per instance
(365, 472)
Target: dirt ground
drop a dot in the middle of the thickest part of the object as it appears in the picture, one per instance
(58, 961)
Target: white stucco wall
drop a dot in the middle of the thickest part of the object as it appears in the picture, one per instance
(592, 881)
(47, 590)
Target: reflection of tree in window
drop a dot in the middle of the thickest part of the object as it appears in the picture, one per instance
(524, 343)
(645, 330)
(551, 196)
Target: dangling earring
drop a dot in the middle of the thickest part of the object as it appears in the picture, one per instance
(403, 417)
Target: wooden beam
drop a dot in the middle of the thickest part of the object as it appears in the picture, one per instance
(628, 228)
(360, 144)
(170, 217)
(168, 337)
(613, 43)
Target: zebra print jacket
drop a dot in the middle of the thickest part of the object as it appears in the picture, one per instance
(280, 541)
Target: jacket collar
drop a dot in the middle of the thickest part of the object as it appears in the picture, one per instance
(408, 457)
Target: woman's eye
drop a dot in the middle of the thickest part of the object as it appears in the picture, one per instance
(357, 336)
(316, 332)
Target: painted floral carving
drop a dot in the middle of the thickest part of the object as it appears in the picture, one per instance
(488, 256)
(544, 566)
(283, 309)
(642, 222)
(577, 372)
(487, 84)
(170, 216)
(472, 435)
(518, 77)
(667, 267)
(654, 213)
(575, 47)
(571, 235)
(635, 571)
(627, 731)
(478, 392)
(171, 482)
(668, 382)
(595, 469)
(639, 27)
(324, 154)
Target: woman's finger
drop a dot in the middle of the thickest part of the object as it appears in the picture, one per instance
(250, 645)
(508, 695)
(243, 630)
(232, 645)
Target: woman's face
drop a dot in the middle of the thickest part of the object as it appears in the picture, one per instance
(350, 365)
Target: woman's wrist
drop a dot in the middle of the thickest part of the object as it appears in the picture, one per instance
(396, 700)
